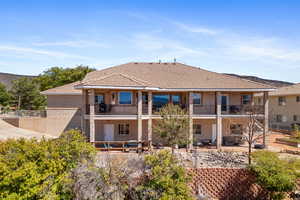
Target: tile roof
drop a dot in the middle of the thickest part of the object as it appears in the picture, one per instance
(166, 76)
(288, 90)
(65, 89)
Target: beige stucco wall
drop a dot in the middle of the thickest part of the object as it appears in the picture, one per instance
(64, 101)
(290, 109)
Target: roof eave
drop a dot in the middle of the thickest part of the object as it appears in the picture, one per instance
(175, 89)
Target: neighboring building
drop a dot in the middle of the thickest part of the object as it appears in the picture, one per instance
(120, 103)
(284, 107)
(63, 109)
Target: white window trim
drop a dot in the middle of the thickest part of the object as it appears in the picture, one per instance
(130, 100)
(200, 94)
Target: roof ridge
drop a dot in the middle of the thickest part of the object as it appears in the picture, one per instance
(142, 82)
(234, 77)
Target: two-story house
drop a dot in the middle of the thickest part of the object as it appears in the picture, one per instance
(284, 107)
(120, 103)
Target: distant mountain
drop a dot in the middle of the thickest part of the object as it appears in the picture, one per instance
(7, 79)
(274, 83)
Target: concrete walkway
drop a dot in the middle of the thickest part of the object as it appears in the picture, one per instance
(9, 131)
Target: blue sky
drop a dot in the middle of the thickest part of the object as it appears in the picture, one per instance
(246, 37)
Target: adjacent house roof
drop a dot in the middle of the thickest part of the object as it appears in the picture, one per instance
(288, 90)
(166, 76)
(67, 89)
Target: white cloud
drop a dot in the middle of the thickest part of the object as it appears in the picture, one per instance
(198, 29)
(79, 43)
(165, 48)
(32, 51)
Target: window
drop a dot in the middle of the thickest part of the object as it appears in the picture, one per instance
(197, 129)
(99, 98)
(246, 99)
(197, 98)
(298, 99)
(123, 129)
(278, 118)
(125, 97)
(281, 101)
(259, 101)
(236, 129)
(160, 99)
(295, 117)
(145, 98)
(176, 99)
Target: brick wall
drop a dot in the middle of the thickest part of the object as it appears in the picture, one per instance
(225, 184)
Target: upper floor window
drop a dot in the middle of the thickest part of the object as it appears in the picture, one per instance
(99, 98)
(161, 99)
(176, 99)
(281, 101)
(246, 99)
(145, 98)
(298, 98)
(125, 97)
(197, 129)
(197, 98)
(123, 129)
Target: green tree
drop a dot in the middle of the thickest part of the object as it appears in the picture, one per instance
(58, 76)
(31, 169)
(275, 175)
(26, 95)
(166, 179)
(4, 95)
(173, 125)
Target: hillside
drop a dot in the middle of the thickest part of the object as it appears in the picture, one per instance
(275, 83)
(7, 79)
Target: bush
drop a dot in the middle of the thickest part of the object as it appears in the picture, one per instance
(275, 175)
(166, 179)
(31, 169)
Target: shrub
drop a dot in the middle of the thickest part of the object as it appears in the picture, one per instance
(31, 169)
(275, 175)
(165, 180)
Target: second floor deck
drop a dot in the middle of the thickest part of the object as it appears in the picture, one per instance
(126, 103)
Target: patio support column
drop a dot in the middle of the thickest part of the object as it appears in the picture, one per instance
(191, 109)
(150, 118)
(266, 118)
(219, 120)
(83, 111)
(140, 121)
(92, 115)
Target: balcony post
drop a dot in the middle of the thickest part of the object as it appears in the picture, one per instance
(92, 115)
(150, 102)
(140, 121)
(219, 120)
(266, 118)
(191, 109)
(83, 111)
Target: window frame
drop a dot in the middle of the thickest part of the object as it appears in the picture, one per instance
(242, 99)
(195, 128)
(283, 102)
(131, 98)
(124, 129)
(200, 98)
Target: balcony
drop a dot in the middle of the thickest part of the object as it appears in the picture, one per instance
(204, 109)
(109, 109)
(156, 108)
(242, 109)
